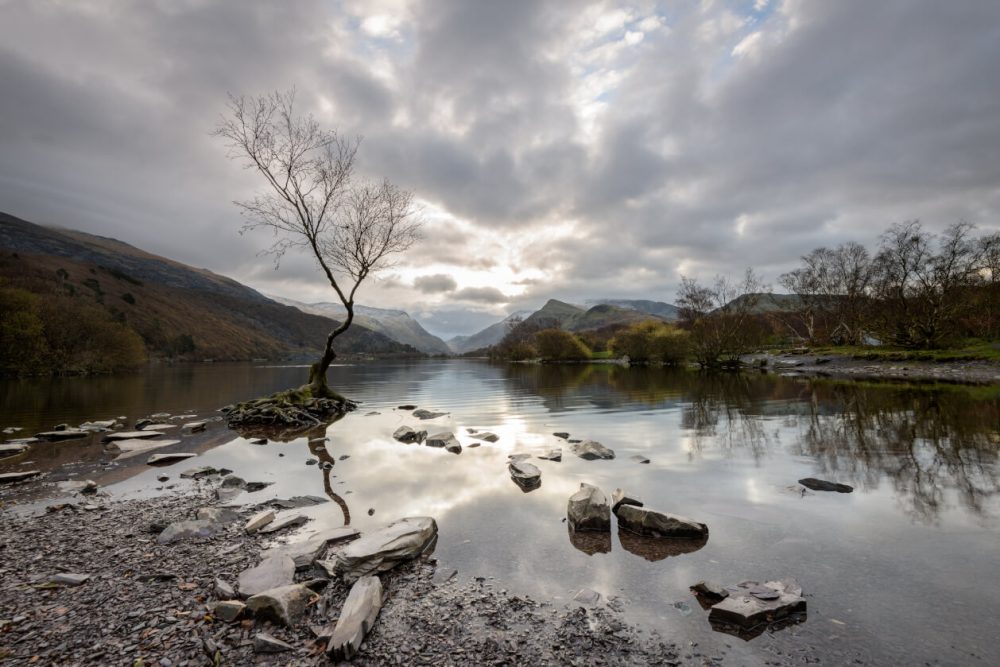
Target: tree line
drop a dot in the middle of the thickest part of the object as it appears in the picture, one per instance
(913, 290)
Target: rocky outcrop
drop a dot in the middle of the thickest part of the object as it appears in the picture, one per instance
(356, 618)
(588, 509)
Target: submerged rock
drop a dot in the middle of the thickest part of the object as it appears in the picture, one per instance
(173, 457)
(587, 596)
(486, 436)
(383, 549)
(525, 475)
(195, 427)
(639, 458)
(554, 454)
(199, 472)
(356, 618)
(588, 509)
(427, 414)
(750, 604)
(561, 434)
(445, 439)
(285, 605)
(651, 523)
(65, 434)
(12, 450)
(270, 573)
(132, 435)
(135, 447)
(823, 485)
(20, 476)
(592, 450)
(409, 435)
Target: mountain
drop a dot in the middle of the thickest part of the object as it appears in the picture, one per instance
(177, 310)
(488, 337)
(394, 324)
(604, 315)
(664, 311)
(768, 302)
(554, 313)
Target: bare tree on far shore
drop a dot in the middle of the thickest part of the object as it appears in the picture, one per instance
(312, 201)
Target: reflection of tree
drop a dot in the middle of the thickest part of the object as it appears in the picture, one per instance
(727, 407)
(924, 440)
(317, 446)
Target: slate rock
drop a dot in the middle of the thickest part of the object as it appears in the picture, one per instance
(527, 476)
(639, 458)
(287, 521)
(561, 434)
(445, 439)
(265, 643)
(409, 435)
(135, 447)
(285, 605)
(650, 523)
(258, 521)
(620, 497)
(591, 450)
(427, 414)
(188, 530)
(306, 552)
(381, 550)
(173, 457)
(356, 618)
(68, 579)
(20, 476)
(272, 572)
(228, 611)
(743, 608)
(823, 485)
(486, 436)
(554, 454)
(224, 590)
(588, 509)
(131, 435)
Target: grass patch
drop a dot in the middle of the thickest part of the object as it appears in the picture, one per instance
(970, 350)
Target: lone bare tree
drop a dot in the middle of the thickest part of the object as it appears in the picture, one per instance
(312, 202)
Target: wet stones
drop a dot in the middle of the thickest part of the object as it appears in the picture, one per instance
(284, 605)
(650, 523)
(135, 447)
(639, 458)
(588, 510)
(445, 439)
(282, 522)
(356, 618)
(823, 485)
(273, 572)
(64, 434)
(427, 414)
(527, 476)
(409, 435)
(486, 436)
(619, 497)
(195, 427)
(383, 549)
(554, 454)
(132, 435)
(166, 459)
(592, 450)
(12, 450)
(749, 604)
(307, 552)
(20, 476)
(199, 472)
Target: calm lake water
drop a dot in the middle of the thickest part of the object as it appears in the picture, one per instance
(902, 571)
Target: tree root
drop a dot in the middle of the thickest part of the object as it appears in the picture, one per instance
(293, 409)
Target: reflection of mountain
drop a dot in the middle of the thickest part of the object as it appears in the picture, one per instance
(925, 440)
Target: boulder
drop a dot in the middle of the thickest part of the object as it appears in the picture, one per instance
(195, 427)
(651, 523)
(265, 643)
(228, 611)
(187, 530)
(258, 521)
(284, 605)
(592, 450)
(427, 414)
(409, 435)
(20, 476)
(383, 549)
(356, 618)
(444, 439)
(823, 485)
(554, 454)
(750, 604)
(561, 434)
(272, 572)
(164, 459)
(525, 475)
(487, 436)
(620, 497)
(588, 509)
(132, 435)
(224, 590)
(233, 482)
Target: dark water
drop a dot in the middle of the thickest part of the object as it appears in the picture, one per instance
(902, 571)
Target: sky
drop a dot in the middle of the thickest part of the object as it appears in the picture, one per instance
(557, 149)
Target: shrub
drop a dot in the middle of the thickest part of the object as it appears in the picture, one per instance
(652, 341)
(559, 345)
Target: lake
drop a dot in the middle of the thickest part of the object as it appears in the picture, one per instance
(901, 571)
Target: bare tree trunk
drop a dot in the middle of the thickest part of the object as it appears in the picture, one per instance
(317, 372)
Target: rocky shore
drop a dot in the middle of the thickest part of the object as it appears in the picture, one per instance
(100, 582)
(838, 366)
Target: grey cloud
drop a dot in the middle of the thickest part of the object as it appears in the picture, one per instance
(481, 294)
(435, 284)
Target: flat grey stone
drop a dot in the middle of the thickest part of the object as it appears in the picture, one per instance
(639, 458)
(132, 435)
(265, 643)
(68, 434)
(68, 579)
(228, 611)
(286, 521)
(173, 457)
(199, 472)
(20, 476)
(487, 436)
(382, 549)
(587, 596)
(258, 521)
(554, 454)
(308, 551)
(135, 447)
(427, 414)
(527, 476)
(356, 618)
(272, 572)
(187, 530)
(195, 427)
(224, 590)
(444, 439)
(651, 523)
(409, 435)
(746, 610)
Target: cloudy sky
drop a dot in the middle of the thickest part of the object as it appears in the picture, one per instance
(563, 149)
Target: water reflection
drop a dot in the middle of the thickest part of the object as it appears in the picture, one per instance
(654, 549)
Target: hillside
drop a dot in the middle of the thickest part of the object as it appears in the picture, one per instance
(660, 309)
(394, 324)
(178, 311)
(488, 337)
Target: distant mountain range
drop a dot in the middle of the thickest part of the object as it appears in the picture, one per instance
(488, 337)
(178, 310)
(394, 324)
